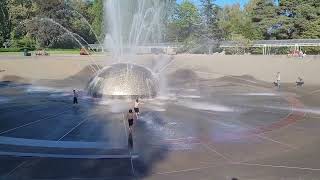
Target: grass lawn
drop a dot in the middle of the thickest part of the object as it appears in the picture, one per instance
(64, 51)
(50, 51)
(11, 53)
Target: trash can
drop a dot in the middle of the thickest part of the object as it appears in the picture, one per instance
(26, 52)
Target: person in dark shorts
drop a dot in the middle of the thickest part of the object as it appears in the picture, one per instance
(130, 117)
(136, 107)
(300, 82)
(75, 97)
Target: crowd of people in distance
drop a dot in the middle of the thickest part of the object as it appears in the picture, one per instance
(297, 53)
(41, 52)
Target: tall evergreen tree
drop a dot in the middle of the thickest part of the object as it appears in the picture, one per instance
(5, 22)
(236, 23)
(96, 12)
(187, 20)
(264, 16)
(21, 12)
(209, 13)
(299, 18)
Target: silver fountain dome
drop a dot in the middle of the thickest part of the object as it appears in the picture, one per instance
(124, 80)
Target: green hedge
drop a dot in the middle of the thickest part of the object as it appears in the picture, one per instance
(10, 50)
(71, 49)
(15, 49)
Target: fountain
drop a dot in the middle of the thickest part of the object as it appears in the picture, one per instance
(126, 80)
(131, 25)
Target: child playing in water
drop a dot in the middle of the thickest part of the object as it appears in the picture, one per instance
(277, 83)
(300, 82)
(130, 117)
(136, 107)
(75, 97)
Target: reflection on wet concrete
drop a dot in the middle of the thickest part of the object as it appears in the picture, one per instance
(179, 123)
(75, 110)
(130, 141)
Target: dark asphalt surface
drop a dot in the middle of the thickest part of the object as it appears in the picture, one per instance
(213, 129)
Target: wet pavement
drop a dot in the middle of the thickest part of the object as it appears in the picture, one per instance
(199, 129)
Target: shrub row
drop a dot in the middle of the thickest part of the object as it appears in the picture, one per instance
(15, 49)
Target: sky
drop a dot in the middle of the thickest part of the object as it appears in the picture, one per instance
(224, 2)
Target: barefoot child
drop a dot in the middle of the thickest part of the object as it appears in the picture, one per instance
(136, 108)
(130, 117)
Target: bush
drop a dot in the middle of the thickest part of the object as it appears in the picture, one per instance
(59, 49)
(64, 42)
(15, 49)
(255, 51)
(10, 50)
(311, 50)
(25, 42)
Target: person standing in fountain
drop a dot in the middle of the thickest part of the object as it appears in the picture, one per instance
(130, 117)
(136, 108)
(300, 82)
(278, 79)
(75, 97)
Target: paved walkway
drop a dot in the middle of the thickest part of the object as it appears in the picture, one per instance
(206, 129)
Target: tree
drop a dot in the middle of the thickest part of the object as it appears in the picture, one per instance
(209, 13)
(172, 34)
(80, 19)
(5, 23)
(58, 21)
(298, 16)
(21, 13)
(50, 8)
(236, 22)
(264, 16)
(312, 30)
(96, 12)
(187, 20)
(39, 21)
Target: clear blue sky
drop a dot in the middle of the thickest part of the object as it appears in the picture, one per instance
(224, 2)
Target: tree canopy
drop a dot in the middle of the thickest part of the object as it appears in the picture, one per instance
(5, 23)
(54, 23)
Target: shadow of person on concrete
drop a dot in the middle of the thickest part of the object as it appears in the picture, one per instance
(130, 141)
(149, 143)
(76, 110)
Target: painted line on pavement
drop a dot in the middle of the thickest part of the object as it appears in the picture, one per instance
(54, 144)
(216, 152)
(33, 122)
(72, 129)
(278, 142)
(277, 166)
(186, 170)
(14, 169)
(67, 156)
